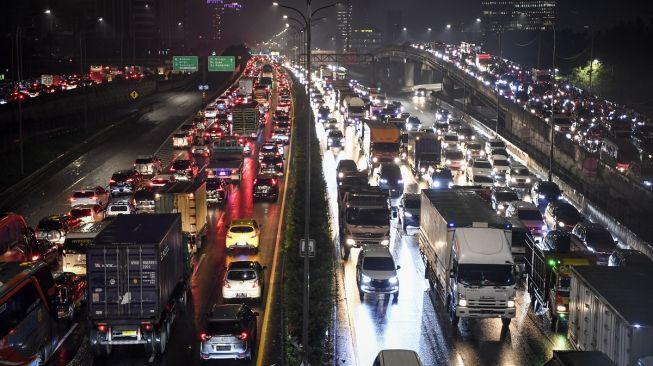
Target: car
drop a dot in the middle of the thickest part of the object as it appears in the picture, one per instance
(210, 111)
(335, 139)
(376, 272)
(271, 165)
(454, 159)
(498, 154)
(159, 180)
(189, 129)
(243, 280)
(330, 124)
(454, 126)
(519, 177)
(474, 150)
(144, 200)
(230, 332)
(529, 215)
(55, 227)
(630, 258)
(478, 167)
(280, 138)
(147, 165)
(440, 178)
(420, 92)
(184, 169)
(544, 192)
(558, 241)
(43, 250)
(481, 180)
(440, 127)
(266, 187)
(181, 140)
(217, 191)
(390, 179)
(323, 113)
(125, 182)
(70, 294)
(442, 115)
(409, 210)
(213, 133)
(87, 213)
(466, 134)
(500, 167)
(89, 196)
(561, 215)
(595, 238)
(243, 233)
(450, 141)
(413, 123)
(494, 144)
(268, 149)
(345, 167)
(120, 208)
(501, 197)
(200, 148)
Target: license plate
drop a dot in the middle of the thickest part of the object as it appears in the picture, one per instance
(242, 243)
(128, 333)
(240, 294)
(222, 347)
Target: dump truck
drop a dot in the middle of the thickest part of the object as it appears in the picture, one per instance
(423, 152)
(245, 120)
(380, 142)
(610, 312)
(188, 199)
(465, 247)
(137, 282)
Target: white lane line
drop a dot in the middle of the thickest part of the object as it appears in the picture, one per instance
(151, 359)
(65, 337)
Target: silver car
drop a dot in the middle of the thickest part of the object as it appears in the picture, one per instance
(229, 334)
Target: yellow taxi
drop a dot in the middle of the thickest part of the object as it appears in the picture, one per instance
(243, 233)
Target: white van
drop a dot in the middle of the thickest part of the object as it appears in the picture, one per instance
(397, 357)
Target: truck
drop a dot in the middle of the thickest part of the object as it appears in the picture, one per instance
(541, 76)
(188, 199)
(380, 142)
(547, 275)
(354, 110)
(261, 94)
(423, 152)
(610, 312)
(579, 358)
(137, 282)
(226, 161)
(245, 120)
(364, 217)
(465, 247)
(246, 86)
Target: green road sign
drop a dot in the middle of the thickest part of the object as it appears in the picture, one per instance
(222, 63)
(184, 63)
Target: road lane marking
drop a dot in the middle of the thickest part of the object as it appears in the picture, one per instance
(268, 301)
(63, 339)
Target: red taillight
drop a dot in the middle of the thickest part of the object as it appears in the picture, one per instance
(112, 181)
(147, 327)
(172, 169)
(255, 180)
(35, 257)
(279, 164)
(72, 199)
(243, 336)
(101, 328)
(274, 182)
(204, 336)
(130, 180)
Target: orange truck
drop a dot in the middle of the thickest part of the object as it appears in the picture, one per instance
(380, 142)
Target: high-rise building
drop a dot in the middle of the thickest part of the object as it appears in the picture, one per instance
(393, 26)
(509, 15)
(365, 39)
(343, 17)
(220, 9)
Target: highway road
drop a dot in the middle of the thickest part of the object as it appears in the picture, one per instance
(418, 321)
(151, 134)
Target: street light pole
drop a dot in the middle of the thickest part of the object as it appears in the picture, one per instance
(496, 127)
(591, 57)
(553, 93)
(19, 77)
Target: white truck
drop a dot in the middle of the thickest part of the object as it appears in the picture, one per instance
(465, 246)
(610, 312)
(354, 110)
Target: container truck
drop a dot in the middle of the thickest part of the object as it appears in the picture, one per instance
(380, 142)
(610, 312)
(187, 198)
(579, 358)
(465, 246)
(547, 272)
(137, 282)
(354, 110)
(364, 217)
(246, 86)
(423, 152)
(226, 161)
(245, 120)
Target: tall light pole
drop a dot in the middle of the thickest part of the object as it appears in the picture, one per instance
(496, 85)
(307, 18)
(553, 93)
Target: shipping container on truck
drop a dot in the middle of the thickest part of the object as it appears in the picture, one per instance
(245, 120)
(380, 142)
(548, 276)
(465, 246)
(187, 198)
(579, 358)
(610, 312)
(137, 282)
(423, 152)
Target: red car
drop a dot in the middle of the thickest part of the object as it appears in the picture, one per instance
(71, 293)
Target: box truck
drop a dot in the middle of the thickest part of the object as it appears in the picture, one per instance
(188, 199)
(423, 152)
(380, 142)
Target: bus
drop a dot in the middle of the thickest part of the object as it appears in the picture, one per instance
(28, 324)
(74, 247)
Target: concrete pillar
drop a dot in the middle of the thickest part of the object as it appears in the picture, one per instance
(427, 76)
(448, 86)
(409, 74)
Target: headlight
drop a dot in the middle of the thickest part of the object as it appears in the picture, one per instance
(351, 242)
(560, 197)
(393, 280)
(375, 159)
(514, 180)
(400, 181)
(557, 128)
(561, 224)
(403, 155)
(341, 174)
(561, 309)
(422, 169)
(544, 227)
(385, 242)
(435, 184)
(501, 207)
(495, 170)
(450, 184)
(408, 214)
(365, 279)
(482, 153)
(541, 196)
(448, 162)
(53, 235)
(383, 180)
(511, 303)
(528, 180)
(462, 302)
(473, 137)
(330, 140)
(397, 160)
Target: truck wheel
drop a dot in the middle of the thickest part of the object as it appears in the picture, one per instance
(344, 252)
(505, 321)
(454, 318)
(396, 298)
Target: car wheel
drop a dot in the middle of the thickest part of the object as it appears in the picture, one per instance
(344, 252)
(505, 321)
(361, 294)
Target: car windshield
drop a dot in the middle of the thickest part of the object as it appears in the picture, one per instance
(47, 225)
(412, 203)
(473, 146)
(143, 161)
(486, 274)
(567, 214)
(264, 181)
(499, 162)
(483, 179)
(119, 177)
(519, 171)
(223, 327)
(241, 275)
(386, 146)
(335, 133)
(79, 212)
(506, 196)
(600, 238)
(454, 155)
(241, 229)
(379, 264)
(496, 144)
(368, 216)
(83, 194)
(347, 166)
(482, 165)
(530, 215)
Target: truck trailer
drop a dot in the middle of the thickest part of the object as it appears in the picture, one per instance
(137, 282)
(245, 120)
(187, 198)
(610, 312)
(465, 246)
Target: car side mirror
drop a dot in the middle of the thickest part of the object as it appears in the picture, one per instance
(358, 266)
(398, 267)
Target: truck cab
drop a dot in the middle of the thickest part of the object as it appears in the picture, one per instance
(364, 218)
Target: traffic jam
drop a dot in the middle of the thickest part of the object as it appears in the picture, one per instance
(488, 231)
(125, 254)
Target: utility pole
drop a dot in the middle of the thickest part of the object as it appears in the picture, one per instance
(496, 127)
(553, 93)
(307, 203)
(591, 57)
(19, 74)
(82, 61)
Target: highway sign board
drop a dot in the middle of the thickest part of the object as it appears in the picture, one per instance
(311, 248)
(184, 63)
(222, 63)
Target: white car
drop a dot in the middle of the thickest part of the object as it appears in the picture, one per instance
(180, 140)
(89, 196)
(500, 166)
(147, 165)
(120, 208)
(479, 167)
(210, 112)
(243, 280)
(88, 213)
(450, 141)
(376, 272)
(494, 144)
(200, 149)
(481, 180)
(159, 180)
